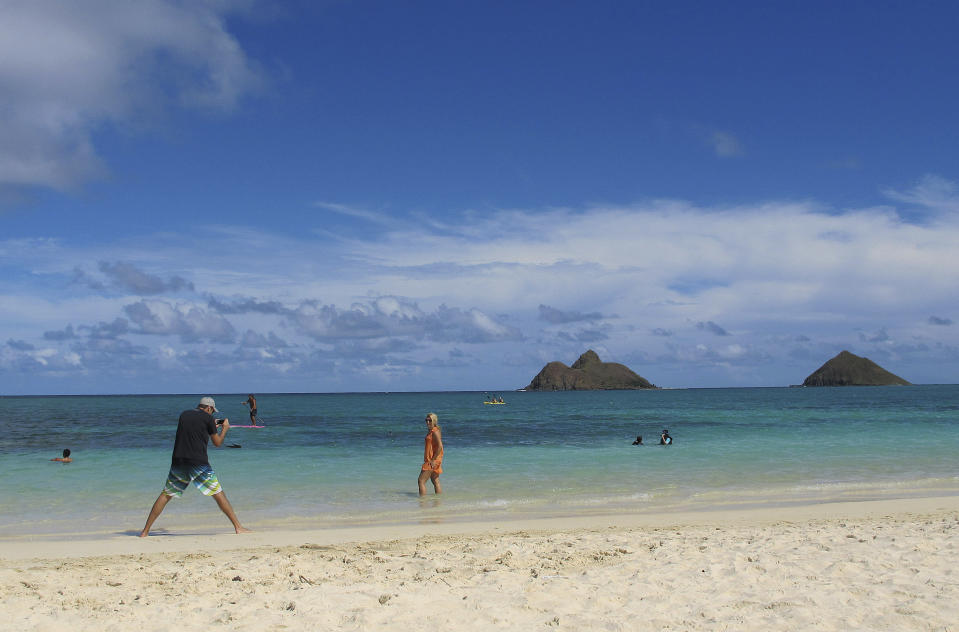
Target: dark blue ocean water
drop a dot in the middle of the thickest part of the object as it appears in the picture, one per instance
(335, 459)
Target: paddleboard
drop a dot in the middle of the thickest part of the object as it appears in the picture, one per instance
(236, 426)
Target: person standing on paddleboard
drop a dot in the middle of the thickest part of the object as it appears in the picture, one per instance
(196, 427)
(251, 402)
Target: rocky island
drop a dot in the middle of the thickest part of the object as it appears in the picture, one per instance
(848, 369)
(588, 373)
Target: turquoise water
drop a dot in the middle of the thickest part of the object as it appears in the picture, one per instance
(340, 459)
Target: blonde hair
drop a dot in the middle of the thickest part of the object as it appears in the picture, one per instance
(434, 420)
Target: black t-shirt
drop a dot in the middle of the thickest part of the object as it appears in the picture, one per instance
(192, 435)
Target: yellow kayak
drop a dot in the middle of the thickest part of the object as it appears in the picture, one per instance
(494, 403)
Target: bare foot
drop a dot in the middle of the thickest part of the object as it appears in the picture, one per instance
(143, 534)
(243, 530)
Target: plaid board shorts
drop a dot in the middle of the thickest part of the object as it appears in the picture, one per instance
(202, 476)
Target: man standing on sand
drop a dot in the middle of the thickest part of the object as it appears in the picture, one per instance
(190, 464)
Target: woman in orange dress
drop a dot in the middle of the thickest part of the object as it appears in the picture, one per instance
(432, 456)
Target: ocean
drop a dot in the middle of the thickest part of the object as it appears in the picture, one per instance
(335, 460)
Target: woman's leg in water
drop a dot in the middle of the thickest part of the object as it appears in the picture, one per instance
(421, 481)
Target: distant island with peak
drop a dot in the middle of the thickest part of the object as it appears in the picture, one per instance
(588, 373)
(848, 369)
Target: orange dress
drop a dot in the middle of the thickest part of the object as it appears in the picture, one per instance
(430, 451)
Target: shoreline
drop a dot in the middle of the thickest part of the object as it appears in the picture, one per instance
(187, 540)
(434, 510)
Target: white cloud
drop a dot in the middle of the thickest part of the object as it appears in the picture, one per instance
(359, 213)
(392, 317)
(725, 144)
(190, 322)
(772, 253)
(784, 281)
(556, 316)
(126, 276)
(67, 68)
(931, 192)
(24, 358)
(712, 328)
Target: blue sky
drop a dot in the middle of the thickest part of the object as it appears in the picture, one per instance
(365, 196)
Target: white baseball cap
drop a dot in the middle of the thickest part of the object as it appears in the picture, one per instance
(208, 401)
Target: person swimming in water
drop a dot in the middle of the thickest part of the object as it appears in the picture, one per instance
(639, 440)
(665, 439)
(65, 458)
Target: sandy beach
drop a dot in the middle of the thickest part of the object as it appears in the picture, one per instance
(880, 565)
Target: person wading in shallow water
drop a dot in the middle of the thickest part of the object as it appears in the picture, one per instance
(432, 456)
(195, 429)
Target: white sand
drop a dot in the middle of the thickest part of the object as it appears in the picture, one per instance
(888, 565)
